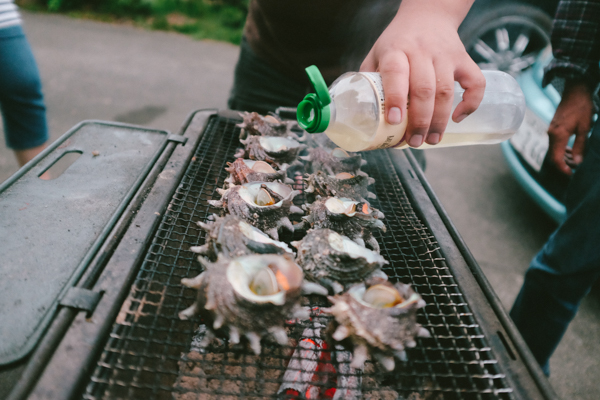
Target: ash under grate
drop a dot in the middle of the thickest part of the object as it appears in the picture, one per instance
(152, 354)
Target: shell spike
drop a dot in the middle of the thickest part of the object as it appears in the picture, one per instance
(234, 335)
(296, 210)
(387, 362)
(204, 226)
(216, 203)
(219, 321)
(301, 313)
(254, 340)
(193, 283)
(189, 312)
(199, 249)
(279, 334)
(359, 356)
(424, 333)
(401, 355)
(341, 333)
(273, 233)
(313, 288)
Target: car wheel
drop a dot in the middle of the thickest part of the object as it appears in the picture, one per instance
(506, 38)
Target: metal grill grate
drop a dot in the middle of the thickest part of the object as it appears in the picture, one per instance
(152, 354)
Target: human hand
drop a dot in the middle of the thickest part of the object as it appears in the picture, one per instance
(419, 56)
(573, 116)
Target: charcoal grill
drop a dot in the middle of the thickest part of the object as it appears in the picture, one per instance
(132, 345)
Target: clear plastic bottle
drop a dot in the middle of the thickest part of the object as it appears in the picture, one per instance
(351, 113)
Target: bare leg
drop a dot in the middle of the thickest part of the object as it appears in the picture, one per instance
(24, 156)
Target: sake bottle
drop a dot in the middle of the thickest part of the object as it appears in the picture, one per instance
(351, 113)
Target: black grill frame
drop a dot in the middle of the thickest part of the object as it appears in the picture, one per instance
(464, 359)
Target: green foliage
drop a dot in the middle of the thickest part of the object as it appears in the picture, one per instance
(202, 19)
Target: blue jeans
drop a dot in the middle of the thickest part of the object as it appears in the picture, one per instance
(21, 99)
(563, 272)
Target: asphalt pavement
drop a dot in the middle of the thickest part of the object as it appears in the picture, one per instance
(101, 71)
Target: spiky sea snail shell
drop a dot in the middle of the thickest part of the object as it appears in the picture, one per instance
(265, 205)
(233, 237)
(243, 171)
(350, 218)
(254, 124)
(343, 184)
(335, 261)
(333, 161)
(276, 150)
(251, 296)
(378, 318)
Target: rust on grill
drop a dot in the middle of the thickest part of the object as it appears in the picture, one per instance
(152, 354)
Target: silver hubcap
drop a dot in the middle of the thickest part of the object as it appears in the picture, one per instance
(507, 50)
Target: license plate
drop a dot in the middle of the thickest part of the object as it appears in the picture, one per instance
(531, 140)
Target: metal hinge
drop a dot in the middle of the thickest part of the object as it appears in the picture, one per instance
(177, 139)
(81, 299)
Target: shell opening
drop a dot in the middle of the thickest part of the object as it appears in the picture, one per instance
(249, 191)
(263, 198)
(341, 206)
(276, 144)
(261, 166)
(340, 153)
(344, 175)
(264, 282)
(382, 296)
(353, 249)
(264, 278)
(259, 236)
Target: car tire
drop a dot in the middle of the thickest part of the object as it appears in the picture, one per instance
(507, 37)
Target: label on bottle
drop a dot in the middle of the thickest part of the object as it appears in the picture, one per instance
(387, 135)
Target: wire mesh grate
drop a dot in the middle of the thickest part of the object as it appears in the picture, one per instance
(152, 354)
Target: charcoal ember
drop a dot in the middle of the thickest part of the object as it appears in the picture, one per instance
(349, 379)
(303, 364)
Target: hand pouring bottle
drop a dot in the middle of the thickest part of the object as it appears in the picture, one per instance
(351, 113)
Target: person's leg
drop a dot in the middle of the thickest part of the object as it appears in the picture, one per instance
(563, 272)
(21, 99)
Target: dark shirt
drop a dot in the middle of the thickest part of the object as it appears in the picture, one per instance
(334, 35)
(576, 42)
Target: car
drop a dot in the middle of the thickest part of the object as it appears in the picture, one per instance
(514, 37)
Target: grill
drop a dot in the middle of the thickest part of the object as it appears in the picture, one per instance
(149, 353)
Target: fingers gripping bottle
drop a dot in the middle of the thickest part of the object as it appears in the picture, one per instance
(351, 113)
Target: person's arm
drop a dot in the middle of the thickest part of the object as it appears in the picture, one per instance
(419, 56)
(576, 49)
(573, 116)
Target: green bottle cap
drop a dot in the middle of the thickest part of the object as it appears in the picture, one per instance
(314, 112)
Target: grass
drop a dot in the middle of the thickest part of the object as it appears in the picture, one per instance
(220, 20)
